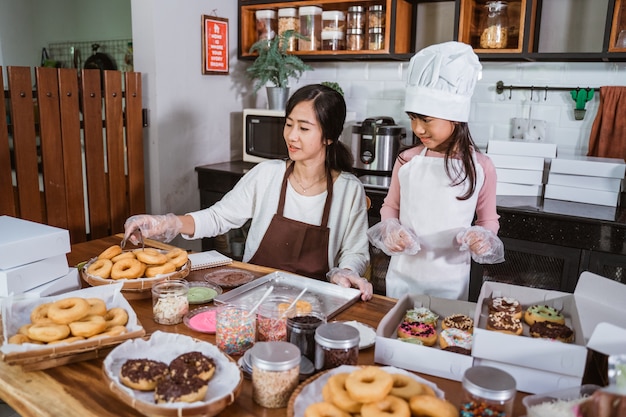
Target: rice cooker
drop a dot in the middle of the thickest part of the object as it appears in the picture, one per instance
(376, 143)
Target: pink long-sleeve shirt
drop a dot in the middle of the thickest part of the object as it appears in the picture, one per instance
(486, 214)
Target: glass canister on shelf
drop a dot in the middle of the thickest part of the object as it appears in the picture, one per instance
(376, 16)
(355, 39)
(355, 18)
(487, 391)
(275, 373)
(288, 20)
(333, 40)
(376, 39)
(333, 20)
(310, 27)
(495, 26)
(266, 24)
(336, 344)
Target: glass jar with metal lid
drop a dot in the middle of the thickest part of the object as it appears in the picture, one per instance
(376, 39)
(355, 18)
(275, 372)
(336, 344)
(495, 26)
(487, 391)
(355, 40)
(376, 16)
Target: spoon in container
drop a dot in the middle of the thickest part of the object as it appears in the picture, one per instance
(293, 303)
(258, 304)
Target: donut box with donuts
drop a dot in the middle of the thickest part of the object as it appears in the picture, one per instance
(543, 365)
(18, 312)
(431, 360)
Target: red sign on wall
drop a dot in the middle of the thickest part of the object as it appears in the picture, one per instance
(214, 45)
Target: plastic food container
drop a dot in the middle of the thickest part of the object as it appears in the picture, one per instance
(487, 391)
(333, 40)
(275, 373)
(271, 320)
(266, 24)
(311, 27)
(235, 331)
(336, 344)
(495, 26)
(169, 301)
(333, 20)
(288, 20)
(542, 405)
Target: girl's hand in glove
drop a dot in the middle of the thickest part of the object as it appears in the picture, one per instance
(163, 228)
(348, 278)
(484, 246)
(393, 238)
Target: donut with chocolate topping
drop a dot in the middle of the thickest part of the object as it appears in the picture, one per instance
(458, 321)
(507, 304)
(142, 374)
(192, 365)
(170, 390)
(505, 323)
(555, 331)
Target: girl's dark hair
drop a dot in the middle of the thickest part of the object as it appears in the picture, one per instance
(330, 110)
(459, 144)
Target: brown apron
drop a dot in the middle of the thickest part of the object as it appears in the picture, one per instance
(295, 246)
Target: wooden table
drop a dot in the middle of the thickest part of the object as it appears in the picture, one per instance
(79, 389)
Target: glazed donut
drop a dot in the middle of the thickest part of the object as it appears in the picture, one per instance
(389, 406)
(538, 312)
(110, 252)
(48, 332)
(430, 406)
(142, 374)
(554, 331)
(101, 268)
(127, 269)
(339, 396)
(369, 384)
(192, 365)
(455, 337)
(169, 390)
(150, 256)
(88, 326)
(166, 268)
(123, 255)
(70, 339)
(324, 409)
(507, 304)
(416, 330)
(504, 323)
(97, 306)
(405, 387)
(68, 310)
(177, 256)
(113, 331)
(421, 315)
(458, 321)
(116, 316)
(40, 314)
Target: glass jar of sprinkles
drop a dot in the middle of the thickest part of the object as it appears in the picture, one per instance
(169, 301)
(235, 330)
(275, 373)
(336, 344)
(487, 391)
(271, 320)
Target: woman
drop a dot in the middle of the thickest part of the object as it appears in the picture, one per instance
(308, 214)
(439, 187)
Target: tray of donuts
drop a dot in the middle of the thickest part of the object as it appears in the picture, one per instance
(40, 333)
(137, 269)
(368, 391)
(172, 375)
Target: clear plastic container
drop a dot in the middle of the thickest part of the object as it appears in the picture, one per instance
(336, 344)
(266, 24)
(376, 39)
(275, 373)
(495, 26)
(311, 27)
(333, 20)
(487, 391)
(271, 322)
(376, 16)
(301, 332)
(333, 40)
(288, 20)
(235, 330)
(355, 18)
(355, 39)
(169, 301)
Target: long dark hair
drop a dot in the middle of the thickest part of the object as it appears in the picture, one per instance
(460, 144)
(330, 110)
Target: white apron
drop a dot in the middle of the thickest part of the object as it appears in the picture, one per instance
(428, 206)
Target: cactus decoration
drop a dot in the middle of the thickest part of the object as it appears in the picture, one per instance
(581, 97)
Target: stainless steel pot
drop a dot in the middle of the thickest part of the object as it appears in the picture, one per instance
(377, 141)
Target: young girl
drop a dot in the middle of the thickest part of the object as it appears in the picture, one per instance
(308, 214)
(440, 186)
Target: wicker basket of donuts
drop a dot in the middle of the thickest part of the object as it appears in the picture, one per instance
(40, 333)
(172, 375)
(137, 269)
(368, 391)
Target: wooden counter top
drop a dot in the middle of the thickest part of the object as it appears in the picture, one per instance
(79, 389)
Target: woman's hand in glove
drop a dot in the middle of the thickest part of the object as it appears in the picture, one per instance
(348, 278)
(393, 238)
(484, 246)
(163, 227)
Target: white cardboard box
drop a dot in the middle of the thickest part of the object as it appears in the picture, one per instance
(23, 242)
(582, 195)
(66, 283)
(507, 188)
(521, 148)
(24, 277)
(429, 360)
(584, 181)
(589, 165)
(517, 162)
(520, 176)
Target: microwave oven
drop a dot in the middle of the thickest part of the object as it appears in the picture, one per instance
(263, 135)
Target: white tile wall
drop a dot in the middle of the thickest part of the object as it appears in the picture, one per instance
(377, 88)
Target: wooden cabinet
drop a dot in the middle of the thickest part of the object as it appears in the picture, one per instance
(617, 36)
(399, 42)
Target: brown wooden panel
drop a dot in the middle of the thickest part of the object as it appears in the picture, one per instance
(24, 143)
(134, 143)
(7, 202)
(51, 146)
(97, 195)
(118, 190)
(72, 158)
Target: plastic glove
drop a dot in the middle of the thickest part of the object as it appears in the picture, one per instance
(484, 246)
(163, 227)
(393, 238)
(348, 278)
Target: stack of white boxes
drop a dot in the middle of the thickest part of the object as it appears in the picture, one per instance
(520, 166)
(586, 179)
(33, 259)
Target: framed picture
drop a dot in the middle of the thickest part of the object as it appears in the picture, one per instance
(214, 45)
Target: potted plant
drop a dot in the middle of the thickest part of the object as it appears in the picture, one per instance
(275, 66)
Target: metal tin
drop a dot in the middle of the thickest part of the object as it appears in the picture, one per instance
(336, 344)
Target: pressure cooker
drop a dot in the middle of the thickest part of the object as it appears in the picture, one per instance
(376, 142)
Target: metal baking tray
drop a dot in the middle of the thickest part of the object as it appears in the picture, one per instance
(327, 298)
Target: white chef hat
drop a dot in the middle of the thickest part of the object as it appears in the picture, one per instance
(441, 79)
